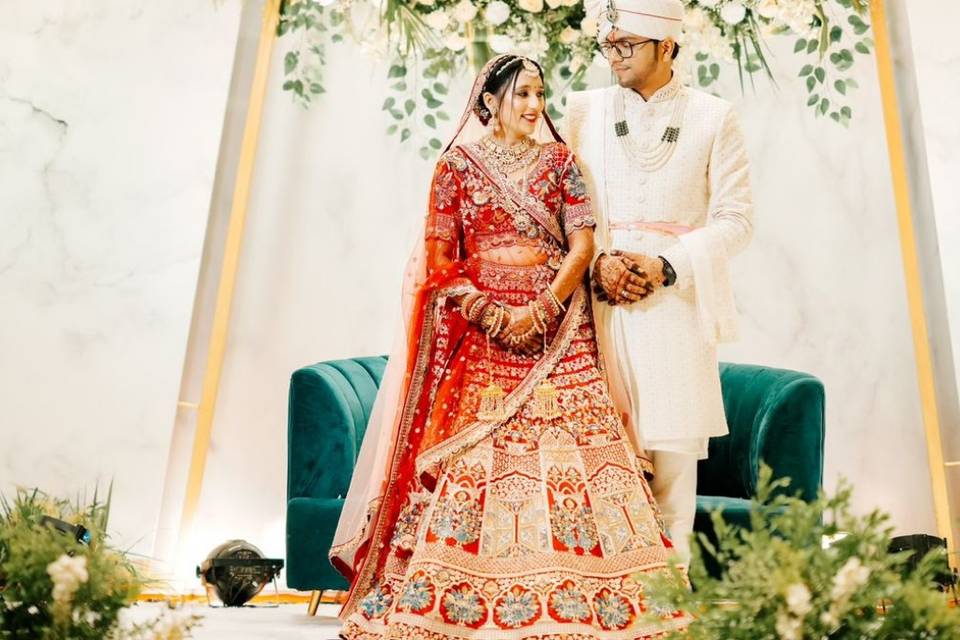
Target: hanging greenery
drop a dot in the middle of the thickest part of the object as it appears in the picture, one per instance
(424, 44)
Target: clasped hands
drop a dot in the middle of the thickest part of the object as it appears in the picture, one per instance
(621, 278)
(515, 328)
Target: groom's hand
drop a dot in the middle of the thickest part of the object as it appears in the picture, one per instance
(619, 280)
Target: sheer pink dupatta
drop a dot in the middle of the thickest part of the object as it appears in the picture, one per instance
(376, 452)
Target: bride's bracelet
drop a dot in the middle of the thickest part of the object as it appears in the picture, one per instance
(495, 318)
(473, 305)
(538, 316)
(555, 300)
(549, 303)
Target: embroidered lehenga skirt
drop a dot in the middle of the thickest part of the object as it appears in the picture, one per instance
(541, 529)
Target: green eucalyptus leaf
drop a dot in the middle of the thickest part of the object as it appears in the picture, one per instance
(290, 62)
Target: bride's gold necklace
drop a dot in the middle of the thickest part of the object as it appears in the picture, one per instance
(510, 160)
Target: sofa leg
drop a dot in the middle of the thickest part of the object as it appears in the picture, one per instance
(314, 602)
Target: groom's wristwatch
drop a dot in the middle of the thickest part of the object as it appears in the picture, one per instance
(669, 275)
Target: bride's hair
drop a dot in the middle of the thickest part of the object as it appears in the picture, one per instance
(504, 74)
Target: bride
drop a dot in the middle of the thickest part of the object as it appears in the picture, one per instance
(497, 494)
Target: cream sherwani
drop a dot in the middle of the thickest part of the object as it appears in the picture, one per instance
(664, 348)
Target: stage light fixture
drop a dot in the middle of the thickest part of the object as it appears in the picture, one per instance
(76, 531)
(921, 545)
(237, 571)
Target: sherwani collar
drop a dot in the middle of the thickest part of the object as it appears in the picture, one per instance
(664, 93)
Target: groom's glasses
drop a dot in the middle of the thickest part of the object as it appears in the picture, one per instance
(624, 48)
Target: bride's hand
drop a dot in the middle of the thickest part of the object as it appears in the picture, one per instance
(520, 335)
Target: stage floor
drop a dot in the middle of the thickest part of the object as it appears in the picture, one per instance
(286, 622)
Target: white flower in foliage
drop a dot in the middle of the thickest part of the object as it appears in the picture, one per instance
(789, 628)
(501, 43)
(852, 576)
(589, 27)
(798, 599)
(569, 35)
(709, 3)
(464, 11)
(437, 20)
(767, 8)
(67, 574)
(733, 13)
(455, 42)
(533, 6)
(497, 13)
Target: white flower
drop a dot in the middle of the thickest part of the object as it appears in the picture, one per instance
(829, 619)
(852, 576)
(533, 6)
(497, 12)
(569, 35)
(709, 3)
(455, 42)
(733, 13)
(464, 11)
(33, 610)
(789, 628)
(501, 43)
(437, 20)
(767, 8)
(553, 4)
(797, 15)
(570, 3)
(67, 574)
(798, 599)
(426, 3)
(589, 27)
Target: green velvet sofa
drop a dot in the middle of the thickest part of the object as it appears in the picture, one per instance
(774, 415)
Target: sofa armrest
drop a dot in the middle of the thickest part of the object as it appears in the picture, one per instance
(790, 438)
(323, 439)
(774, 416)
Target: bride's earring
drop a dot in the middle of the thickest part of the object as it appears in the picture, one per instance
(495, 120)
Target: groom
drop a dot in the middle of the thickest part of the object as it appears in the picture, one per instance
(669, 177)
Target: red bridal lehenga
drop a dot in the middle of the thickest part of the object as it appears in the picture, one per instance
(524, 524)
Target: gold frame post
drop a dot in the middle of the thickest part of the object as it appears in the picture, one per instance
(228, 271)
(911, 272)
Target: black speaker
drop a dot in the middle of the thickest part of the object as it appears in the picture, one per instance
(237, 571)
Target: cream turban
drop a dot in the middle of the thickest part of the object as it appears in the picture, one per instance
(656, 19)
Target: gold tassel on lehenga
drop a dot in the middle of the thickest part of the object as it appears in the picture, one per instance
(545, 401)
(492, 405)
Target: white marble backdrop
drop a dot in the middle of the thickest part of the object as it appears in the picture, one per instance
(336, 202)
(110, 119)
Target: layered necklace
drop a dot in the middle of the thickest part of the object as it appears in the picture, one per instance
(510, 160)
(656, 156)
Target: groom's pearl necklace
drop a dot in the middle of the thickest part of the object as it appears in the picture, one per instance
(655, 157)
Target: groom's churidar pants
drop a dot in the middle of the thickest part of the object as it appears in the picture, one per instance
(675, 489)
